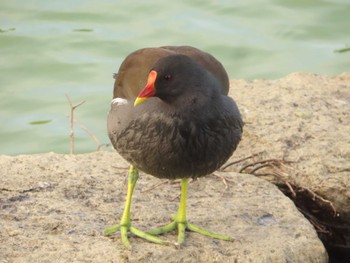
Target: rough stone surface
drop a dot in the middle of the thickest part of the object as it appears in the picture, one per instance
(304, 118)
(54, 207)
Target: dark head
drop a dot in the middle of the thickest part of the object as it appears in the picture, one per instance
(177, 76)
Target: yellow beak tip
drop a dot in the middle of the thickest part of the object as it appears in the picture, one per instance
(139, 101)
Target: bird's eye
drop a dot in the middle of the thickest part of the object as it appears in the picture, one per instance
(167, 77)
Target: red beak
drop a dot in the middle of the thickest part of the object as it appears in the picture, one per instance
(148, 90)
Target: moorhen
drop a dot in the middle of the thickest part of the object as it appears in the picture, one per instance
(171, 118)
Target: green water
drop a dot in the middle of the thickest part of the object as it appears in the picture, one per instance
(52, 48)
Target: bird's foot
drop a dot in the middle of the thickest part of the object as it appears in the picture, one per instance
(182, 226)
(124, 229)
(125, 224)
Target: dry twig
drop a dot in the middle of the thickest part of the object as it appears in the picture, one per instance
(314, 196)
(320, 228)
(240, 160)
(269, 162)
(71, 121)
(82, 126)
(155, 186)
(224, 180)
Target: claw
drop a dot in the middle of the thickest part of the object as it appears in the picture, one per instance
(180, 222)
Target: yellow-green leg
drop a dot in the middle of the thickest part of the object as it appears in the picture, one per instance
(125, 224)
(180, 221)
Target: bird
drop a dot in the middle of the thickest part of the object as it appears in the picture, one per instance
(171, 117)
